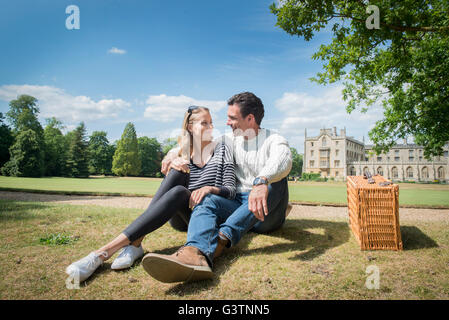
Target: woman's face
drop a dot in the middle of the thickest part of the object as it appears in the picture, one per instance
(202, 126)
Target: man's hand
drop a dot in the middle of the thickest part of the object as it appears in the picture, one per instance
(165, 165)
(180, 164)
(257, 201)
(174, 162)
(197, 196)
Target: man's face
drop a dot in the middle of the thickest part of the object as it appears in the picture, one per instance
(236, 121)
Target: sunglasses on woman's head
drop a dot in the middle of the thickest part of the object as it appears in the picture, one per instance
(191, 108)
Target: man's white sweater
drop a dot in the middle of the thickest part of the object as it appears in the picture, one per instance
(266, 155)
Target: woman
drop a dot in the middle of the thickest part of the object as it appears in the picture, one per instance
(210, 170)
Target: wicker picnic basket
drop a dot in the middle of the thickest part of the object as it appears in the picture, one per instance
(374, 213)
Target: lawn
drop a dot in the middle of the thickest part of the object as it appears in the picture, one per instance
(424, 195)
(309, 258)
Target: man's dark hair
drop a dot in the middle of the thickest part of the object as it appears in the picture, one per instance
(249, 103)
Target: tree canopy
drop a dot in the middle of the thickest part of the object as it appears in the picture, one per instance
(101, 153)
(55, 148)
(150, 153)
(6, 140)
(402, 63)
(78, 155)
(126, 161)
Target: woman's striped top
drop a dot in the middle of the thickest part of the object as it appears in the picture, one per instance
(218, 172)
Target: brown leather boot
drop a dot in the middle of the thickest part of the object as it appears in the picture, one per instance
(186, 264)
(220, 246)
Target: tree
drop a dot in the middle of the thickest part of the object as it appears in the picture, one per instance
(23, 114)
(150, 153)
(26, 156)
(126, 161)
(55, 148)
(169, 144)
(6, 140)
(78, 155)
(100, 153)
(27, 152)
(297, 160)
(404, 64)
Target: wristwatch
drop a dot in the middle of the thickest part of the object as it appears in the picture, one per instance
(259, 181)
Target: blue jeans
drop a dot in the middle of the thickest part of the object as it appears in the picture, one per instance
(233, 219)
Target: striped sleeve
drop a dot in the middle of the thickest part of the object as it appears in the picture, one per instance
(228, 188)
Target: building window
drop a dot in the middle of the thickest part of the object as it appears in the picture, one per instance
(324, 142)
(336, 152)
(446, 154)
(380, 171)
(311, 153)
(337, 163)
(336, 143)
(410, 158)
(396, 152)
(379, 159)
(394, 172)
(311, 163)
(396, 158)
(409, 172)
(352, 171)
(324, 153)
(365, 170)
(311, 144)
(440, 173)
(336, 173)
(324, 164)
(425, 173)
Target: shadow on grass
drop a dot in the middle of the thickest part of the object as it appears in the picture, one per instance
(335, 234)
(413, 238)
(14, 211)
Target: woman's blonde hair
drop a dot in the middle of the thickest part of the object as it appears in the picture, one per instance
(185, 140)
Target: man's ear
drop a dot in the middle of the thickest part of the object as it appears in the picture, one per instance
(250, 119)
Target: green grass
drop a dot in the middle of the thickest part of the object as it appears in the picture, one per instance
(421, 195)
(96, 185)
(57, 239)
(306, 259)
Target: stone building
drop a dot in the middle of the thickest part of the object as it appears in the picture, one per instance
(338, 155)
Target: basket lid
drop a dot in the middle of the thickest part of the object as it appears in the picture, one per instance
(360, 181)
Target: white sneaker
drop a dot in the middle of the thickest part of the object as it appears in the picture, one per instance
(127, 257)
(83, 268)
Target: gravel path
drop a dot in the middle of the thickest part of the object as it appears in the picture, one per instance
(298, 211)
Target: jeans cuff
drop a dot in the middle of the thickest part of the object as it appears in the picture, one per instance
(227, 235)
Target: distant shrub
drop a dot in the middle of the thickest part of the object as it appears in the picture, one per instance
(309, 176)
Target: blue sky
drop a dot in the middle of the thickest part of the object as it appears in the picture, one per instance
(146, 61)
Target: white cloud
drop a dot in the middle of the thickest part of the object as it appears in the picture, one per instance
(302, 110)
(115, 50)
(169, 108)
(55, 102)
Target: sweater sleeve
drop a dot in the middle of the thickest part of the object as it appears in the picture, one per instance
(279, 162)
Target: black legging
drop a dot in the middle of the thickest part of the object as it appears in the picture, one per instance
(170, 203)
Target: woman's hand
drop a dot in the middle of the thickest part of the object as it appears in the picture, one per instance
(197, 196)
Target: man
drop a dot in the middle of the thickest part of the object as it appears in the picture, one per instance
(263, 161)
